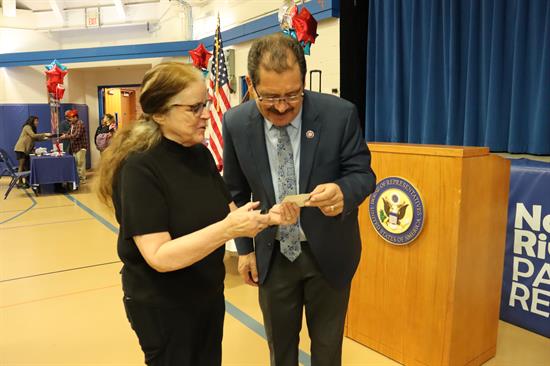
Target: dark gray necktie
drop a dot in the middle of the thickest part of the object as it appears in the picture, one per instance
(286, 179)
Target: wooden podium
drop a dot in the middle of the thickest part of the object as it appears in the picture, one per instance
(436, 300)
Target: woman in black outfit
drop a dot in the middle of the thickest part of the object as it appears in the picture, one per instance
(175, 215)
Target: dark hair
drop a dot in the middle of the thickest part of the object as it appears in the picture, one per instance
(30, 122)
(109, 116)
(272, 53)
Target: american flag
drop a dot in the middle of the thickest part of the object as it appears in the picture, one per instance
(218, 91)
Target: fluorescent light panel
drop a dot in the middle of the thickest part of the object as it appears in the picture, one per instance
(119, 5)
(8, 8)
(57, 9)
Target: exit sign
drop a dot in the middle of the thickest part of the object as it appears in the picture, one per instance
(92, 17)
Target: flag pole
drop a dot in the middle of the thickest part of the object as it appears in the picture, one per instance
(217, 59)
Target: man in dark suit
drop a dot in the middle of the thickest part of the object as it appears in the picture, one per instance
(287, 141)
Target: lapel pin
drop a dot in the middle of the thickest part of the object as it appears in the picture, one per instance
(310, 134)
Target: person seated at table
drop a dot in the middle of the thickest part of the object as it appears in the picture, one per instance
(104, 132)
(78, 142)
(25, 145)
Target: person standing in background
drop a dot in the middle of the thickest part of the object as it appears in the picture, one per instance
(78, 142)
(25, 145)
(287, 141)
(104, 132)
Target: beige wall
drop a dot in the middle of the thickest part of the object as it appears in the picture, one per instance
(27, 84)
(20, 40)
(23, 85)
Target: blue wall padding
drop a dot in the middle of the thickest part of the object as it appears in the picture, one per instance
(12, 117)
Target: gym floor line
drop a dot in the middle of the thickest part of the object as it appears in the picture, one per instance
(60, 295)
(303, 357)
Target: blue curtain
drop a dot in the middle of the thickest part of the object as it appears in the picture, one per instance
(460, 72)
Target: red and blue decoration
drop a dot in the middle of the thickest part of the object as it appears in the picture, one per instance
(54, 79)
(300, 25)
(200, 57)
(55, 73)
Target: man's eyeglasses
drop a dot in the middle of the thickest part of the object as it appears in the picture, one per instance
(289, 99)
(197, 108)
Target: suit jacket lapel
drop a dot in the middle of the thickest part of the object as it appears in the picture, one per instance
(256, 141)
(309, 139)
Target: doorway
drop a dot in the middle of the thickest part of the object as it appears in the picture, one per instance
(122, 101)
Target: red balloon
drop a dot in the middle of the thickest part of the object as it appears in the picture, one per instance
(200, 56)
(54, 77)
(305, 26)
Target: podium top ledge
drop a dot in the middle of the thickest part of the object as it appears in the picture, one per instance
(425, 149)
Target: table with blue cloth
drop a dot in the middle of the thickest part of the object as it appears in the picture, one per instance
(49, 169)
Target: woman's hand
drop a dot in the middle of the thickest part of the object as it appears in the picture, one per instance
(284, 214)
(246, 221)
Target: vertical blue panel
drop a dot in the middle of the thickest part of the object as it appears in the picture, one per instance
(244, 87)
(2, 136)
(100, 100)
(2, 129)
(14, 115)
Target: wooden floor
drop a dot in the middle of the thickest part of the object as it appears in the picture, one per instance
(60, 295)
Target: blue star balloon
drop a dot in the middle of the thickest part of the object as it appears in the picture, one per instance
(290, 33)
(56, 63)
(306, 46)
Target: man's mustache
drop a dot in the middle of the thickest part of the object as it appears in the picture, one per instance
(275, 111)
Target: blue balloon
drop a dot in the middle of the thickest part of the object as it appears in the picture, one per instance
(56, 63)
(305, 45)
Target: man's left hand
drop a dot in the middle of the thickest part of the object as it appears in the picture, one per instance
(328, 197)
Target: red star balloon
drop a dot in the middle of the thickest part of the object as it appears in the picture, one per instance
(200, 56)
(305, 26)
(54, 77)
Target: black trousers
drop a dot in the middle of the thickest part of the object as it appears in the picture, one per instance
(289, 288)
(183, 336)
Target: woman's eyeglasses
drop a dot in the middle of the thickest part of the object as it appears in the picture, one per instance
(288, 99)
(197, 108)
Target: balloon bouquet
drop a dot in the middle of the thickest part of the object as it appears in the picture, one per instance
(55, 72)
(300, 25)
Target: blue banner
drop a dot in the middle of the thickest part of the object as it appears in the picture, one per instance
(526, 279)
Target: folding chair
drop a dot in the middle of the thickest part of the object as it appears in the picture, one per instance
(12, 171)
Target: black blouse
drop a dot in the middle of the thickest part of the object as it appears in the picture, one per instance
(176, 189)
